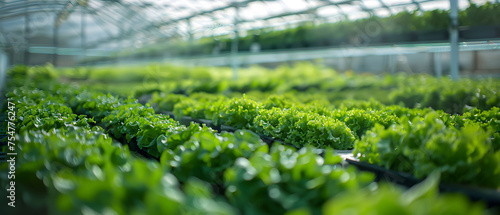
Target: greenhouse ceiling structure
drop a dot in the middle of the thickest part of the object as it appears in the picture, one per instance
(119, 23)
(38, 31)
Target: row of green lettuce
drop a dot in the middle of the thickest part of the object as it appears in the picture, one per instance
(419, 91)
(404, 27)
(297, 124)
(396, 138)
(68, 165)
(306, 80)
(468, 155)
(271, 115)
(303, 81)
(220, 158)
(304, 124)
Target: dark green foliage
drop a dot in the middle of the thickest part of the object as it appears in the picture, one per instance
(206, 155)
(451, 97)
(286, 180)
(69, 167)
(411, 201)
(238, 113)
(422, 145)
(302, 129)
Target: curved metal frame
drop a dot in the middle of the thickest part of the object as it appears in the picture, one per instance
(140, 16)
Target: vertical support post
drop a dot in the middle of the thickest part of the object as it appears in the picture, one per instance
(454, 39)
(83, 36)
(54, 40)
(234, 45)
(190, 36)
(475, 69)
(438, 68)
(190, 30)
(392, 64)
(26, 38)
(122, 29)
(351, 63)
(3, 70)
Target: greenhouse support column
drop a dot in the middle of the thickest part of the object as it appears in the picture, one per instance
(438, 69)
(454, 39)
(26, 38)
(475, 67)
(190, 37)
(122, 29)
(83, 36)
(54, 40)
(234, 46)
(3, 70)
(392, 64)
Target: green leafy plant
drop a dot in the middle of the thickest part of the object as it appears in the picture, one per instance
(286, 180)
(390, 200)
(464, 156)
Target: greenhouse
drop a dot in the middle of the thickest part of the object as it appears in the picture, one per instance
(297, 107)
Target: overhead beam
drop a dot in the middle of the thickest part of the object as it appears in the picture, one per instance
(385, 6)
(235, 4)
(20, 9)
(308, 10)
(363, 7)
(265, 19)
(99, 22)
(327, 3)
(417, 4)
(55, 7)
(169, 22)
(111, 19)
(68, 9)
(16, 5)
(305, 11)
